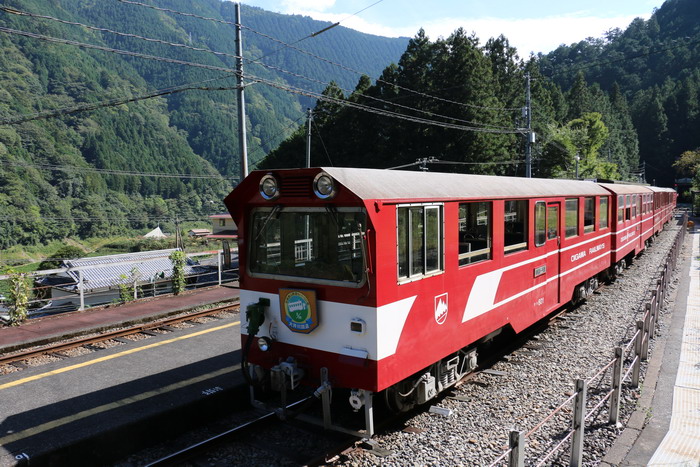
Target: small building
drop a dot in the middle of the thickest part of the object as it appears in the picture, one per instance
(199, 233)
(223, 227)
(102, 276)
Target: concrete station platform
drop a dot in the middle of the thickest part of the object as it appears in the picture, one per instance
(664, 430)
(51, 328)
(94, 408)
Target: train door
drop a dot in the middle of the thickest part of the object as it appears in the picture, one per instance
(552, 248)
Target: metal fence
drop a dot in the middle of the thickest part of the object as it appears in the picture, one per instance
(70, 294)
(624, 367)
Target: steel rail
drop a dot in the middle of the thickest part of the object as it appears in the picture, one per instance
(177, 458)
(104, 336)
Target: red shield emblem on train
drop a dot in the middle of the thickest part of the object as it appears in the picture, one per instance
(441, 308)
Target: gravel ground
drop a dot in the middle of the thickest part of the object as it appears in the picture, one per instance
(532, 381)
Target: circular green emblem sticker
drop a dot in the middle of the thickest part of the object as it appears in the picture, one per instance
(297, 307)
(298, 310)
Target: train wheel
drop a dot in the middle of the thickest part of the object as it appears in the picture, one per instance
(580, 294)
(400, 397)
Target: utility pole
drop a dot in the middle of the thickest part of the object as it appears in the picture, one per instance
(308, 137)
(241, 97)
(530, 136)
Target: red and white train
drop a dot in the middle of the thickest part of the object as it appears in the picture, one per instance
(383, 282)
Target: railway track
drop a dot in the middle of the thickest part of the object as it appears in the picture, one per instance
(262, 433)
(268, 439)
(142, 328)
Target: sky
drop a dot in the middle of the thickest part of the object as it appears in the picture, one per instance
(530, 26)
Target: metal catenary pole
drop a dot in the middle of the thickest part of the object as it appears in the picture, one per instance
(242, 138)
(308, 137)
(529, 136)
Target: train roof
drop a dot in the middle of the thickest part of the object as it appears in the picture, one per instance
(664, 189)
(406, 185)
(621, 188)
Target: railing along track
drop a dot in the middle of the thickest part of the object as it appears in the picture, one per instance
(107, 335)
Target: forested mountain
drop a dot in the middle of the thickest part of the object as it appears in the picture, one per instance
(462, 103)
(626, 106)
(76, 172)
(655, 64)
(601, 108)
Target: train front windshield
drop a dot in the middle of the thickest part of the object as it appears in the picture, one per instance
(310, 243)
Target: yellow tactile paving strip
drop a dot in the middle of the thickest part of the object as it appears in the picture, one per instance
(681, 445)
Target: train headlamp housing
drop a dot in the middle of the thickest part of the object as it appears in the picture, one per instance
(264, 344)
(269, 187)
(324, 186)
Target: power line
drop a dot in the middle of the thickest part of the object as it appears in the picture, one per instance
(369, 109)
(595, 63)
(257, 79)
(352, 70)
(14, 11)
(111, 219)
(116, 172)
(109, 103)
(318, 133)
(116, 51)
(433, 160)
(231, 23)
(198, 49)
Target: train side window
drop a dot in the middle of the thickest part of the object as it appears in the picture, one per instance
(474, 232)
(552, 221)
(515, 226)
(628, 208)
(540, 223)
(419, 240)
(639, 205)
(620, 209)
(571, 217)
(603, 213)
(588, 215)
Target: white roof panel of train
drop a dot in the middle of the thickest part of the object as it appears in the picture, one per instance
(403, 185)
(622, 188)
(662, 189)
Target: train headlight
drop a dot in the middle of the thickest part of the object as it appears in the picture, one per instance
(324, 187)
(269, 188)
(264, 343)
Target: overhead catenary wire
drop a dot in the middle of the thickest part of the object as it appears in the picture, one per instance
(291, 46)
(617, 60)
(433, 160)
(352, 70)
(374, 110)
(115, 51)
(270, 83)
(217, 20)
(109, 103)
(272, 67)
(64, 168)
(325, 150)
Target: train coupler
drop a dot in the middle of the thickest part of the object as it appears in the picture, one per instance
(286, 375)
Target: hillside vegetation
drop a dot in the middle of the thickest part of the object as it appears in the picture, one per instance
(623, 107)
(75, 173)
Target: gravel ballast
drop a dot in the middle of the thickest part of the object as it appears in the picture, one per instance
(531, 382)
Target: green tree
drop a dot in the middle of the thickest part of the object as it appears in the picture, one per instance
(64, 253)
(18, 297)
(178, 259)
